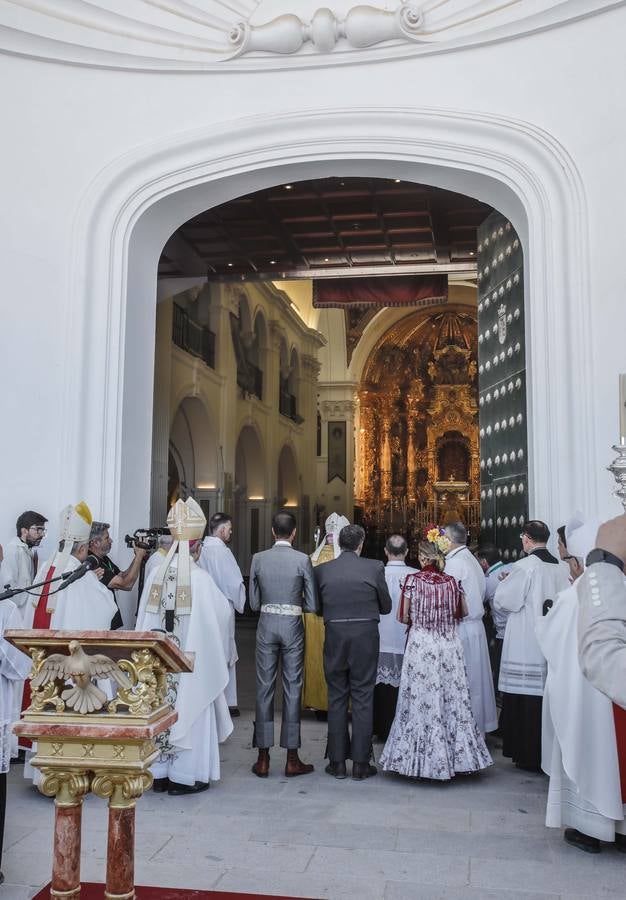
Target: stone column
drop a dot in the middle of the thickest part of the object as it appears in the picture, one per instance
(122, 789)
(161, 414)
(68, 790)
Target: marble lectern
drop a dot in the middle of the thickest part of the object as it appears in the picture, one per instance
(89, 742)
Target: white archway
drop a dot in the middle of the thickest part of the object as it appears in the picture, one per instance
(288, 486)
(138, 202)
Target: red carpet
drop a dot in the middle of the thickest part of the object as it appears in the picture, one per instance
(96, 892)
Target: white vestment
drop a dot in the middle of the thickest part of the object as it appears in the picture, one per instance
(522, 594)
(190, 751)
(217, 559)
(465, 568)
(392, 633)
(14, 668)
(18, 569)
(84, 605)
(492, 580)
(579, 749)
(154, 562)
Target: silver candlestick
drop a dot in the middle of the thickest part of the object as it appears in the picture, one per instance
(618, 468)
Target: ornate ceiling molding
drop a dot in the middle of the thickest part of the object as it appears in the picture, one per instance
(248, 35)
(361, 27)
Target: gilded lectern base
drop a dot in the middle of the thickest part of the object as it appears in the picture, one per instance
(107, 750)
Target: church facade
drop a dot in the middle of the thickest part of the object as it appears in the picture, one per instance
(121, 126)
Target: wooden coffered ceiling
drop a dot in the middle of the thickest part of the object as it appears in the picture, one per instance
(329, 226)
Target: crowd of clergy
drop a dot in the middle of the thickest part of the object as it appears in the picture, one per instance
(417, 659)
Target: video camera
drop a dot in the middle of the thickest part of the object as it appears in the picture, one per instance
(145, 538)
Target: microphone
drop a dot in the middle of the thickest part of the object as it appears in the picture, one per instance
(85, 567)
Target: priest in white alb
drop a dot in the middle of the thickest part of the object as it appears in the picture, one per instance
(465, 568)
(81, 605)
(217, 559)
(182, 599)
(581, 748)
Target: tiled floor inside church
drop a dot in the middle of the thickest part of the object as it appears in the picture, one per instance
(383, 839)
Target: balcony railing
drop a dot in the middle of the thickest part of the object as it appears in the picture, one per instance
(192, 337)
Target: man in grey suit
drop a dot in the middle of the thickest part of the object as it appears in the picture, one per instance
(602, 613)
(282, 587)
(353, 593)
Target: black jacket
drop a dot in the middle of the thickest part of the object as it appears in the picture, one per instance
(350, 587)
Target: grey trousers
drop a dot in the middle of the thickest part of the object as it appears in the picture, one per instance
(350, 666)
(278, 637)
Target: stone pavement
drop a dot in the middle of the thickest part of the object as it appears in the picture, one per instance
(382, 839)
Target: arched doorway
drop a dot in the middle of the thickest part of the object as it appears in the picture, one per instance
(288, 486)
(530, 181)
(250, 496)
(193, 456)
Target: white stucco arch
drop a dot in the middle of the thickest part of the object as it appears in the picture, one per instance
(194, 439)
(250, 463)
(136, 203)
(288, 486)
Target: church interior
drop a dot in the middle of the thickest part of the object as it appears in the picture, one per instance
(350, 345)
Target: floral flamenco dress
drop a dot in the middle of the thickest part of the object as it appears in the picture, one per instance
(434, 734)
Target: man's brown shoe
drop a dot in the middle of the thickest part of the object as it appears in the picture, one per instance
(261, 767)
(294, 765)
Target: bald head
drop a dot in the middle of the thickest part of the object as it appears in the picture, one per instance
(396, 547)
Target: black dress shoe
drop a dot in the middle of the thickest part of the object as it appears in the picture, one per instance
(336, 769)
(160, 785)
(620, 842)
(581, 841)
(177, 790)
(1, 878)
(361, 770)
(234, 711)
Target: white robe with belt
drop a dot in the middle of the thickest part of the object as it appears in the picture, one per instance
(465, 568)
(217, 559)
(190, 751)
(579, 749)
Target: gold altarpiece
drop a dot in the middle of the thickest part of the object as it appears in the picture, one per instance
(418, 441)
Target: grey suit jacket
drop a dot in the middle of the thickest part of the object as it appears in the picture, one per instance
(602, 629)
(282, 575)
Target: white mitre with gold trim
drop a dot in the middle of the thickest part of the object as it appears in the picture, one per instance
(172, 584)
(333, 525)
(74, 528)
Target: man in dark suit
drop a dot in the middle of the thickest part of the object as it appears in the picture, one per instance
(281, 588)
(352, 594)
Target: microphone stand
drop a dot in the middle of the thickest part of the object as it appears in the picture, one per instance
(11, 592)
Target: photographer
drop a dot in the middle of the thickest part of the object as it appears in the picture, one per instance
(113, 578)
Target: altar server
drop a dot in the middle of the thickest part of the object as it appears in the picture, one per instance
(315, 690)
(581, 750)
(14, 668)
(217, 559)
(184, 601)
(393, 638)
(465, 568)
(20, 562)
(530, 588)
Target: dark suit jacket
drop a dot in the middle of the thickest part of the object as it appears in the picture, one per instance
(351, 587)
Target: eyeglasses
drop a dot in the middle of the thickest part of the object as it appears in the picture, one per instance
(38, 529)
(523, 535)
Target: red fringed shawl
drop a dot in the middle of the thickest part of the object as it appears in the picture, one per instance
(432, 601)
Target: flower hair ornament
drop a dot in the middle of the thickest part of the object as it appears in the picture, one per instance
(436, 535)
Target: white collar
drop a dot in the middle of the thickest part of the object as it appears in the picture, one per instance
(396, 562)
(454, 552)
(493, 568)
(282, 544)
